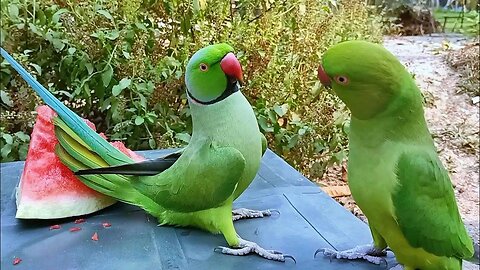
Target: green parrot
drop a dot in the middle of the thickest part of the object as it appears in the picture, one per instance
(195, 186)
(394, 172)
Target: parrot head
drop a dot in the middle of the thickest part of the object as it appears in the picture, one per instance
(364, 75)
(212, 74)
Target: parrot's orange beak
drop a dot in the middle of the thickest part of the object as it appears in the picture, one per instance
(323, 77)
(232, 67)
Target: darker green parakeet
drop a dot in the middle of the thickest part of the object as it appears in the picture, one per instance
(394, 172)
(193, 187)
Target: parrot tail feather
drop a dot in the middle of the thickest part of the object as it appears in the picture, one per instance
(77, 157)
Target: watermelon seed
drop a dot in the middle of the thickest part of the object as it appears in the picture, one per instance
(75, 229)
(95, 237)
(106, 225)
(55, 227)
(80, 220)
(16, 261)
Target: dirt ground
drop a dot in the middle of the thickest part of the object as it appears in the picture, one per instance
(453, 120)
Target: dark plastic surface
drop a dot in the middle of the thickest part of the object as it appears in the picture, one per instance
(309, 220)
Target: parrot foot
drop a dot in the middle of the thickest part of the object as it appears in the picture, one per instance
(397, 267)
(246, 247)
(242, 213)
(366, 252)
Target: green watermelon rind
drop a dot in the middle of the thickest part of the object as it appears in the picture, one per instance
(60, 206)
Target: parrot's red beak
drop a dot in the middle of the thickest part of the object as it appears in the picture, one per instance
(231, 67)
(323, 77)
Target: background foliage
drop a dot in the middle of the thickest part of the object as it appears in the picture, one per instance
(120, 64)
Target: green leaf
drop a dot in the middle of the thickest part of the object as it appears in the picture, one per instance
(105, 13)
(143, 101)
(89, 67)
(37, 68)
(97, 34)
(13, 11)
(124, 83)
(34, 29)
(185, 137)
(19, 26)
(141, 26)
(152, 143)
(41, 17)
(339, 156)
(319, 147)
(58, 44)
(281, 110)
(107, 75)
(6, 149)
(112, 35)
(262, 122)
(3, 35)
(8, 138)
(23, 151)
(116, 116)
(6, 98)
(56, 15)
(72, 50)
(196, 6)
(22, 136)
(151, 117)
(139, 120)
(292, 141)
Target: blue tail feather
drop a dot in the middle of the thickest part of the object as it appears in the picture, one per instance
(110, 154)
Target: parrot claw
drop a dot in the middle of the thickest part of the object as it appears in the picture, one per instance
(218, 249)
(242, 213)
(318, 251)
(246, 247)
(368, 253)
(397, 267)
(290, 257)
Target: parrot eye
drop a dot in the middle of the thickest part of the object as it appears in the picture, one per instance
(343, 80)
(203, 67)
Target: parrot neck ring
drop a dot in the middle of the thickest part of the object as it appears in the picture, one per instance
(323, 77)
(232, 87)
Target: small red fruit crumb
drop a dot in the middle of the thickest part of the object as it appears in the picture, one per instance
(55, 227)
(78, 221)
(106, 225)
(95, 237)
(75, 229)
(16, 261)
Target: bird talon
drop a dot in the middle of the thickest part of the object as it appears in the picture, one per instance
(318, 251)
(274, 211)
(383, 262)
(290, 257)
(218, 249)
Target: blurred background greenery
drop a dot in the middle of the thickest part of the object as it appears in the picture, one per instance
(120, 64)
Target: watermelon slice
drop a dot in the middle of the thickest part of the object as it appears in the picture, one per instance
(49, 189)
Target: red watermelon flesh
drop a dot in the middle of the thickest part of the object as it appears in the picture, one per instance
(49, 189)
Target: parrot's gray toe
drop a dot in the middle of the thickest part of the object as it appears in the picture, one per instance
(367, 252)
(242, 213)
(397, 267)
(246, 247)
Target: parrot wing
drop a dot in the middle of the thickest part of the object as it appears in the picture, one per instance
(203, 177)
(425, 206)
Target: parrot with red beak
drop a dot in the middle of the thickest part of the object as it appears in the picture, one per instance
(195, 186)
(394, 172)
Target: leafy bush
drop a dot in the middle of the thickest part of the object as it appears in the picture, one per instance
(120, 64)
